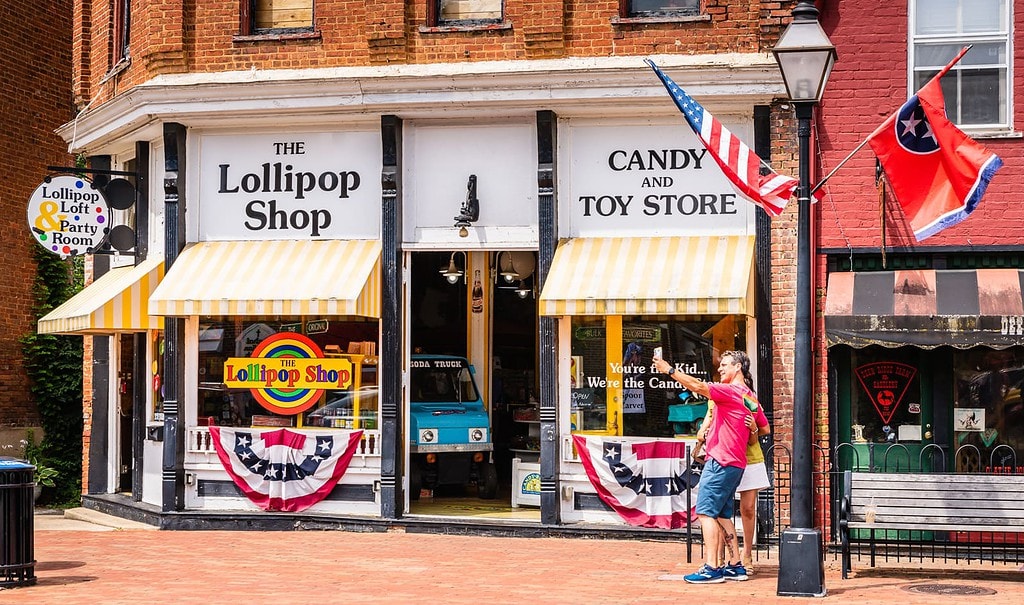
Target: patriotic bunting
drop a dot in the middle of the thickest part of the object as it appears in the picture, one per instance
(644, 481)
(282, 470)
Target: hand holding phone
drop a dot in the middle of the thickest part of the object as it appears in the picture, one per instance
(657, 352)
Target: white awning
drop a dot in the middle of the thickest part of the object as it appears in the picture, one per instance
(275, 277)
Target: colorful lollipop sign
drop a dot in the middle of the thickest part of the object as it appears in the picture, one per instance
(287, 373)
(68, 216)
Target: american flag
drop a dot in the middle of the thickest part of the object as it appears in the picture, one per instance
(284, 470)
(741, 166)
(645, 481)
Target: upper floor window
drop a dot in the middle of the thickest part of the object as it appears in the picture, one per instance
(659, 8)
(977, 89)
(122, 14)
(275, 16)
(468, 12)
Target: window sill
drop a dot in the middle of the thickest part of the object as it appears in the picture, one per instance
(118, 67)
(277, 37)
(631, 21)
(479, 27)
(993, 133)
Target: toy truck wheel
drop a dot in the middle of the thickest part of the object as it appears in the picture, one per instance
(487, 484)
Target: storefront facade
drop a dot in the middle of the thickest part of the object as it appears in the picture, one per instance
(550, 221)
(922, 338)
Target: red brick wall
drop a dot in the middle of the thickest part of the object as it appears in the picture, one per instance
(35, 69)
(171, 36)
(868, 84)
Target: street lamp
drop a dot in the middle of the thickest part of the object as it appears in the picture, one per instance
(805, 56)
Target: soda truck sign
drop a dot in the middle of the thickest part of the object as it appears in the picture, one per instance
(68, 216)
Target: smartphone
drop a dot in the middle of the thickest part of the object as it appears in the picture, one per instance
(657, 352)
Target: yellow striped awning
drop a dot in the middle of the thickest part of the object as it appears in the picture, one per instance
(115, 302)
(696, 275)
(274, 277)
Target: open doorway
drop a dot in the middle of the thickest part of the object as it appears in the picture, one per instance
(478, 309)
(125, 404)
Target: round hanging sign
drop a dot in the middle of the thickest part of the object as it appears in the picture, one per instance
(68, 216)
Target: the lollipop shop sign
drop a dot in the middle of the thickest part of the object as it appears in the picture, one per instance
(68, 215)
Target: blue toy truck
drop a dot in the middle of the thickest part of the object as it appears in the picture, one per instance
(450, 434)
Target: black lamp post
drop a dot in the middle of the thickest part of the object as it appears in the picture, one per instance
(805, 56)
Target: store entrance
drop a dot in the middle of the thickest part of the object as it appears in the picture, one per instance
(125, 398)
(478, 309)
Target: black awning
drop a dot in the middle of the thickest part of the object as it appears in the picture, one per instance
(926, 308)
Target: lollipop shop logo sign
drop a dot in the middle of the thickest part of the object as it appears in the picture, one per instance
(68, 216)
(287, 372)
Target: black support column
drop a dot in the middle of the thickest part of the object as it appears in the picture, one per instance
(390, 368)
(140, 370)
(99, 435)
(547, 338)
(173, 478)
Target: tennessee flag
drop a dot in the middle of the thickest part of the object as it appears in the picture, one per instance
(936, 172)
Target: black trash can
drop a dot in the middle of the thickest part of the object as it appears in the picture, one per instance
(17, 503)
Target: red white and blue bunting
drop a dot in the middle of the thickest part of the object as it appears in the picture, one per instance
(283, 470)
(645, 482)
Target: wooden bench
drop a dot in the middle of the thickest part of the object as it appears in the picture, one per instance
(935, 508)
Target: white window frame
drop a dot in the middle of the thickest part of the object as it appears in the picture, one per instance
(1005, 37)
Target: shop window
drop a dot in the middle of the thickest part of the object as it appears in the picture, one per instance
(275, 16)
(977, 89)
(122, 26)
(659, 8)
(886, 398)
(614, 388)
(988, 410)
(354, 405)
(464, 12)
(156, 376)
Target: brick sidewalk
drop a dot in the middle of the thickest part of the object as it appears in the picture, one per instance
(139, 566)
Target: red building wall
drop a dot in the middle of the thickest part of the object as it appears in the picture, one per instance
(869, 83)
(35, 73)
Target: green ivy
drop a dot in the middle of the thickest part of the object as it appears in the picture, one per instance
(54, 365)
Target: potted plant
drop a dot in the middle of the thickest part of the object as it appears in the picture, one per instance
(43, 477)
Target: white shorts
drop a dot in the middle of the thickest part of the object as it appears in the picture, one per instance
(755, 476)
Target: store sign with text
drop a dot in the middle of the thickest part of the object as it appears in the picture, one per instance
(68, 215)
(287, 373)
(656, 179)
(290, 186)
(886, 383)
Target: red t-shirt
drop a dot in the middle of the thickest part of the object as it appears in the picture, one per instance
(728, 436)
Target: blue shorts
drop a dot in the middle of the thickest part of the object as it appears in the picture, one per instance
(717, 490)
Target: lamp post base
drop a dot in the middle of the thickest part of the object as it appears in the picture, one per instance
(801, 564)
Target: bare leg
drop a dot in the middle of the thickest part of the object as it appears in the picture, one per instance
(728, 539)
(748, 514)
(712, 534)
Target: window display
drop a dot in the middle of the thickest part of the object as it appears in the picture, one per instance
(886, 398)
(989, 411)
(614, 388)
(354, 403)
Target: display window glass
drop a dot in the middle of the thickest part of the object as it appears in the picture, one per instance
(221, 339)
(988, 410)
(615, 389)
(886, 396)
(156, 376)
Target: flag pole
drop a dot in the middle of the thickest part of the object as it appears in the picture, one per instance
(941, 73)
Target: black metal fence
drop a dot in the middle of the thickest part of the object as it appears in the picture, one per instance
(967, 546)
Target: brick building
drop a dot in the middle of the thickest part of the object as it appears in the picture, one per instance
(310, 173)
(940, 316)
(36, 79)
